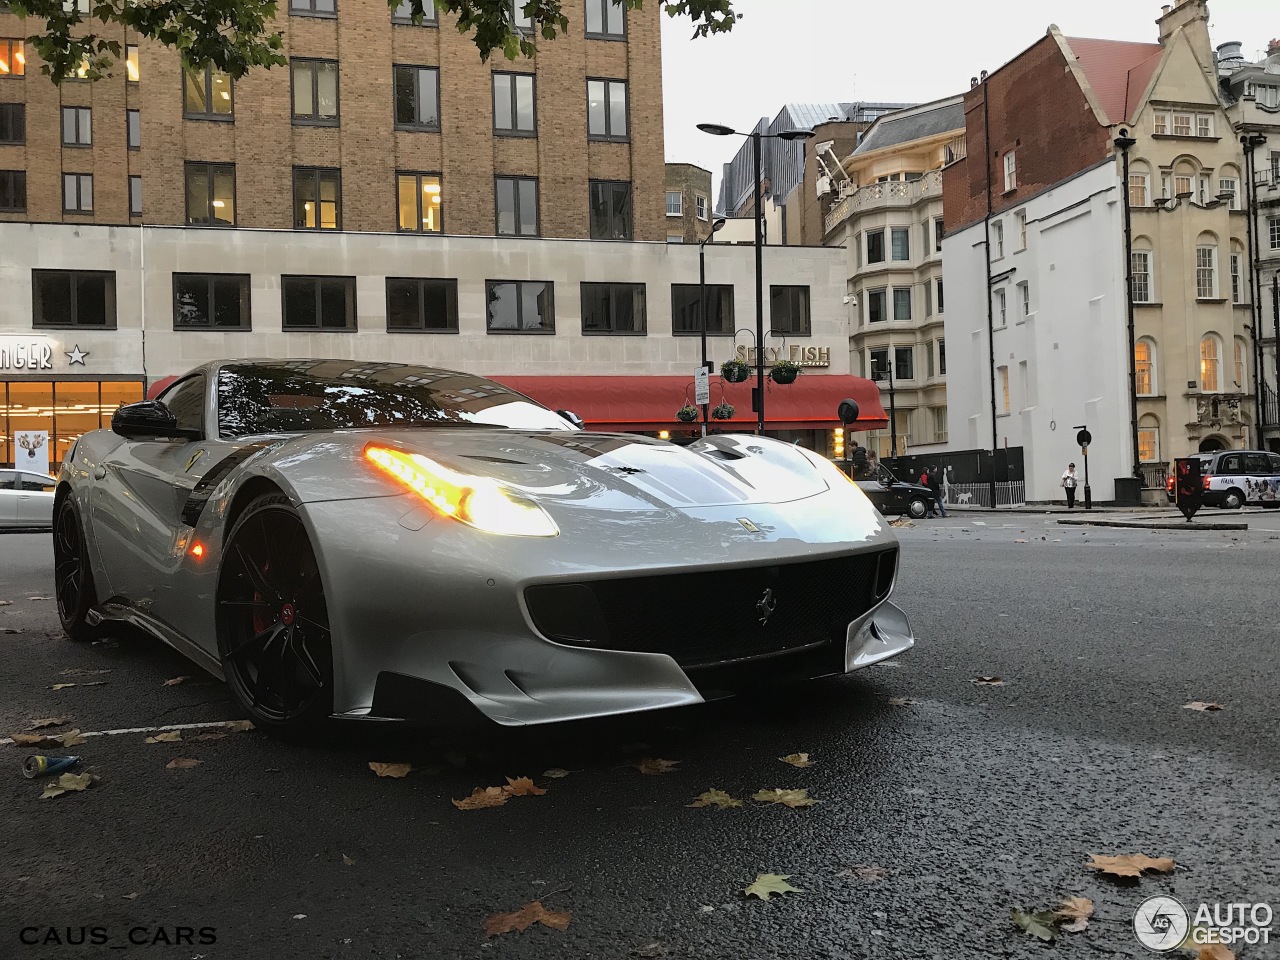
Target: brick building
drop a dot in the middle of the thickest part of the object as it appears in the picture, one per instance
(689, 214)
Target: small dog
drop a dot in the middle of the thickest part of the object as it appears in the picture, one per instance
(964, 498)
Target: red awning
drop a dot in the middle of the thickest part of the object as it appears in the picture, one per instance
(634, 403)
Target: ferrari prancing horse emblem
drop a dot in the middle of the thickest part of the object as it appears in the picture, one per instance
(766, 605)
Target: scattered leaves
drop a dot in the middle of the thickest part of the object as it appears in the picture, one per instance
(767, 884)
(90, 683)
(788, 798)
(797, 760)
(1130, 864)
(1073, 914)
(1202, 706)
(175, 681)
(182, 763)
(68, 783)
(987, 682)
(654, 766)
(523, 787)
(47, 722)
(238, 726)
(483, 797)
(32, 740)
(555, 773)
(168, 736)
(348, 861)
(525, 917)
(71, 738)
(397, 770)
(1038, 925)
(1214, 951)
(715, 798)
(900, 701)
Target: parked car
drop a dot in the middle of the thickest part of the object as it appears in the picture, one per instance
(895, 497)
(26, 499)
(1233, 478)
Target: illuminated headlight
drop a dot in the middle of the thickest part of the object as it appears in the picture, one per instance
(480, 502)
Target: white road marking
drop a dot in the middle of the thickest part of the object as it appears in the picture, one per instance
(116, 733)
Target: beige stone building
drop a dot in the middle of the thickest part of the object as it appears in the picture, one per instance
(688, 203)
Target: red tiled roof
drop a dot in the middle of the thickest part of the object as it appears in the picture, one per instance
(1117, 70)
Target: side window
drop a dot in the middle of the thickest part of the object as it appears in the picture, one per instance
(7, 479)
(1275, 464)
(1256, 464)
(186, 400)
(33, 481)
(1229, 466)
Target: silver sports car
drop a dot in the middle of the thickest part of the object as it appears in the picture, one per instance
(382, 541)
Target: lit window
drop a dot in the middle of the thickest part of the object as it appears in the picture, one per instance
(1144, 363)
(1149, 444)
(132, 68)
(1210, 361)
(317, 199)
(206, 95)
(211, 194)
(13, 61)
(420, 202)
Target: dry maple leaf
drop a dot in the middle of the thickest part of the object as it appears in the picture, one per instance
(715, 798)
(788, 798)
(654, 766)
(182, 763)
(525, 917)
(238, 726)
(71, 738)
(1202, 706)
(987, 682)
(348, 861)
(797, 760)
(483, 797)
(47, 722)
(523, 787)
(1214, 951)
(397, 770)
(68, 783)
(33, 740)
(1073, 914)
(1130, 864)
(175, 681)
(168, 736)
(767, 884)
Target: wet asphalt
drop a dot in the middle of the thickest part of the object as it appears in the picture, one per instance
(971, 800)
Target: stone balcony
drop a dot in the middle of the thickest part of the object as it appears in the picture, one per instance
(875, 196)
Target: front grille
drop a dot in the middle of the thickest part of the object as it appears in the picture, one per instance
(706, 618)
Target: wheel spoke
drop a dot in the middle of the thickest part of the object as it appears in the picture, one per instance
(268, 665)
(298, 643)
(259, 640)
(255, 574)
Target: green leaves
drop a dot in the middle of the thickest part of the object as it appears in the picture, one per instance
(1039, 925)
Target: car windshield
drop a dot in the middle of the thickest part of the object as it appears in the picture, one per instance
(289, 396)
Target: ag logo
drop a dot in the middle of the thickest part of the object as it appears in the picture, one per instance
(766, 605)
(1161, 923)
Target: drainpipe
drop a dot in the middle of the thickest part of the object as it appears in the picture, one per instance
(1124, 142)
(1249, 142)
(991, 323)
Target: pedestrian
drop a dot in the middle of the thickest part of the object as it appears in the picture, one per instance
(1069, 484)
(926, 481)
(935, 485)
(858, 457)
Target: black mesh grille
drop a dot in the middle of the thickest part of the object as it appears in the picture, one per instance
(712, 617)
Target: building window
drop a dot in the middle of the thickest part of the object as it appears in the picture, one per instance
(1010, 173)
(675, 203)
(1204, 125)
(315, 92)
(875, 246)
(215, 301)
(13, 123)
(902, 303)
(1144, 365)
(77, 127)
(1149, 444)
(997, 239)
(686, 309)
(1140, 268)
(928, 299)
(1235, 277)
(403, 13)
(877, 306)
(520, 306)
(938, 232)
(77, 193)
(789, 311)
(607, 109)
(133, 69)
(317, 198)
(675, 238)
(1001, 309)
(1021, 219)
(1160, 124)
(1206, 272)
(73, 298)
(1182, 124)
(904, 367)
(605, 18)
(928, 360)
(207, 95)
(419, 199)
(313, 8)
(520, 20)
(1002, 376)
(417, 95)
(1024, 301)
(13, 191)
(879, 363)
(1210, 363)
(1203, 196)
(939, 296)
(1229, 187)
(135, 196)
(133, 129)
(610, 210)
(1181, 185)
(318, 303)
(613, 308)
(211, 194)
(939, 424)
(1138, 196)
(700, 206)
(1273, 232)
(423, 305)
(514, 96)
(1240, 365)
(13, 59)
(942, 357)
(517, 205)
(900, 243)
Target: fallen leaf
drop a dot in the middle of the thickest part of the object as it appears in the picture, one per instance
(1214, 951)
(299, 916)
(788, 798)
(1073, 914)
(1202, 706)
(47, 722)
(767, 884)
(32, 739)
(13, 630)
(6, 603)
(397, 770)
(182, 763)
(238, 726)
(68, 783)
(211, 736)
(865, 872)
(88, 683)
(1039, 925)
(525, 917)
(797, 760)
(901, 522)
(71, 738)
(131, 896)
(175, 681)
(987, 682)
(61, 686)
(39, 598)
(1130, 864)
(482, 797)
(899, 701)
(347, 861)
(169, 736)
(654, 766)
(523, 787)
(715, 798)
(555, 773)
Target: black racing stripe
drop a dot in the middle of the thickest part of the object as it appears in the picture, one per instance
(204, 488)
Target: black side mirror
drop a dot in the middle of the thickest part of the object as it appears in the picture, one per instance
(573, 418)
(149, 420)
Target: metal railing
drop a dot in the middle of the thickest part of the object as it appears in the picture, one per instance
(1009, 493)
(1154, 475)
(1270, 413)
(894, 192)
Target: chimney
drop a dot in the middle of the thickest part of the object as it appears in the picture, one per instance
(1273, 47)
(1183, 14)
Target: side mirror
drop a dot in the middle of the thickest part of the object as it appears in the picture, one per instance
(149, 420)
(573, 418)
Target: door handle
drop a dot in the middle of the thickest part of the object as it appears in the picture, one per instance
(99, 473)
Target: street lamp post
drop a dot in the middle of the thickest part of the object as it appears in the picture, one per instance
(719, 130)
(702, 304)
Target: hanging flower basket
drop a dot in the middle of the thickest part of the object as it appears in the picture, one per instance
(722, 411)
(688, 413)
(784, 371)
(735, 371)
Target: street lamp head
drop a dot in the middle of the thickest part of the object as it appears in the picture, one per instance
(717, 129)
(794, 135)
(1124, 141)
(718, 224)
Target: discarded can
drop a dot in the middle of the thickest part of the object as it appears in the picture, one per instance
(38, 765)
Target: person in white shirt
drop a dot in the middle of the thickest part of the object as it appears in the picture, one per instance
(1069, 484)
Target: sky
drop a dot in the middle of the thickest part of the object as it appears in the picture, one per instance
(820, 51)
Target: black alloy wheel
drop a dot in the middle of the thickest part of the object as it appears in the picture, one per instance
(272, 622)
(73, 580)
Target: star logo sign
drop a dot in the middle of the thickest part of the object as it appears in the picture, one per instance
(76, 355)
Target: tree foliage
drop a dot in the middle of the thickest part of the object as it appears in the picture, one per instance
(237, 35)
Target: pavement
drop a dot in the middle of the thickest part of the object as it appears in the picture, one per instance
(938, 815)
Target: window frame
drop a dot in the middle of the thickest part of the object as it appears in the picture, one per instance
(430, 18)
(418, 70)
(701, 207)
(109, 276)
(679, 212)
(418, 176)
(132, 125)
(1024, 300)
(1011, 171)
(519, 329)
(612, 186)
(1145, 277)
(907, 299)
(517, 181)
(614, 289)
(210, 171)
(420, 286)
(1000, 311)
(349, 284)
(997, 230)
(1141, 183)
(896, 234)
(610, 135)
(208, 114)
(80, 180)
(17, 123)
(881, 293)
(907, 350)
(1215, 341)
(15, 184)
(246, 301)
(17, 52)
(307, 8)
(316, 175)
(720, 293)
(806, 327)
(877, 234)
(135, 210)
(82, 126)
(603, 6)
(514, 130)
(132, 63)
(1145, 369)
(1212, 269)
(311, 66)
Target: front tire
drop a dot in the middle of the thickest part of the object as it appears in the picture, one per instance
(272, 619)
(73, 579)
(917, 508)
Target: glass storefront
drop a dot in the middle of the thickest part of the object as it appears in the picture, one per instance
(64, 409)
